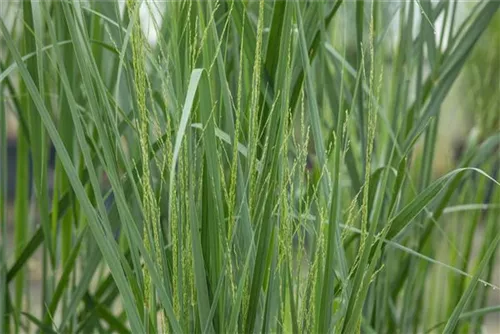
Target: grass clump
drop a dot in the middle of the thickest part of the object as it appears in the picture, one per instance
(228, 166)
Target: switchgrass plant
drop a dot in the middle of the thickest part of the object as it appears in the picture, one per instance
(228, 166)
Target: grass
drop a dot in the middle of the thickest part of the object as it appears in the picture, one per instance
(259, 167)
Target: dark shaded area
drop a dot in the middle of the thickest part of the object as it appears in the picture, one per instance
(11, 169)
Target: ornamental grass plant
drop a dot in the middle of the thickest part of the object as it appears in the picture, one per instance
(248, 166)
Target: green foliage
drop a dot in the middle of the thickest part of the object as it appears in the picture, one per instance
(252, 169)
